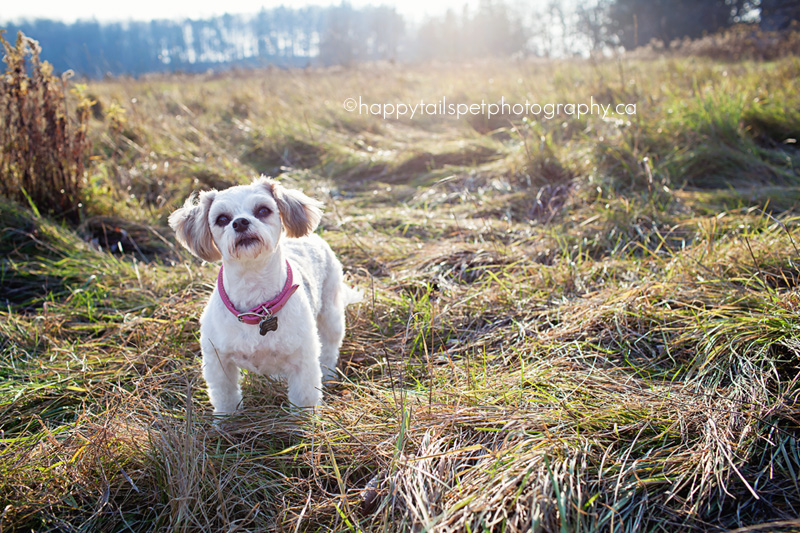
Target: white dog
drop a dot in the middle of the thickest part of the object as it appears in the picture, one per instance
(278, 305)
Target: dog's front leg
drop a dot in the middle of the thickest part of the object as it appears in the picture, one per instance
(304, 378)
(222, 380)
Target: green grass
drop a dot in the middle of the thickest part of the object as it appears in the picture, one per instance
(568, 325)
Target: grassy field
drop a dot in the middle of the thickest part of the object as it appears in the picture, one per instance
(569, 324)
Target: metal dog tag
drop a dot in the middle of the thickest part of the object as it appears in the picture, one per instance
(267, 324)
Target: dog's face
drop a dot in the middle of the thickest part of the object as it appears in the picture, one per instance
(243, 222)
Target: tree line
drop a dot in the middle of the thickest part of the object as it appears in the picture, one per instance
(282, 36)
(344, 35)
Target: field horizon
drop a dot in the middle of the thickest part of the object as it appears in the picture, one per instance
(570, 323)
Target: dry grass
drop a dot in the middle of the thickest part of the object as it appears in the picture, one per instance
(558, 334)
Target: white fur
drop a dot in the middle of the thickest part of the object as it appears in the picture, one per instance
(304, 349)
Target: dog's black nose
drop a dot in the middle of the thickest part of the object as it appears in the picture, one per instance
(240, 225)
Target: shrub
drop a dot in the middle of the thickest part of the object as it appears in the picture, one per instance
(42, 149)
(740, 42)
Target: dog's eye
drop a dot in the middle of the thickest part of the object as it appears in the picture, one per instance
(263, 212)
(223, 220)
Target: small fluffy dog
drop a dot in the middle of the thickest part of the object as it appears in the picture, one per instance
(278, 305)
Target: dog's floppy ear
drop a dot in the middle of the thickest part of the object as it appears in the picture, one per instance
(190, 223)
(299, 213)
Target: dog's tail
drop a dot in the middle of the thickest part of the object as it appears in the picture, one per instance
(351, 295)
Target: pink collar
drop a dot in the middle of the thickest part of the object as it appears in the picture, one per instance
(261, 312)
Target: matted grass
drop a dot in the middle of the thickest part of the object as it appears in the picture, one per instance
(568, 325)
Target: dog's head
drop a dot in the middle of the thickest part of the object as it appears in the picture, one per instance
(243, 222)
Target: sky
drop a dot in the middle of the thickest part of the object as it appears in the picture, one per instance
(105, 10)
